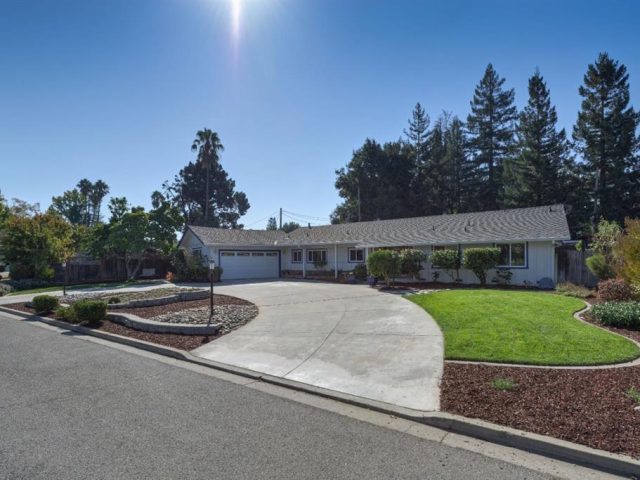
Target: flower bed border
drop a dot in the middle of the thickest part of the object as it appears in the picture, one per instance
(147, 325)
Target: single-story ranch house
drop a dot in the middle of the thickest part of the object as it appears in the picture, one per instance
(527, 238)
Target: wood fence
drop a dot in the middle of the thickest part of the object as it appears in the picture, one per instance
(572, 267)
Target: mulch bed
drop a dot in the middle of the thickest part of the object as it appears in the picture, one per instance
(182, 342)
(584, 406)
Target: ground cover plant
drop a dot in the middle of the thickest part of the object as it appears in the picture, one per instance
(618, 314)
(520, 327)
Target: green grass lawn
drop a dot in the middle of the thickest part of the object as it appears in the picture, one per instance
(72, 288)
(520, 327)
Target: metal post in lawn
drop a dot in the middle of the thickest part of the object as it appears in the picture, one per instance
(212, 267)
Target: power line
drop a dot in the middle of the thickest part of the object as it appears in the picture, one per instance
(262, 219)
(303, 220)
(306, 217)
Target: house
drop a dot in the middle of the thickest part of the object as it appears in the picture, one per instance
(527, 238)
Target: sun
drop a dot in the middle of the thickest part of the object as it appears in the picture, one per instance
(236, 14)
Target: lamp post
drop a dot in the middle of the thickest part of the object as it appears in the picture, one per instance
(212, 267)
(64, 285)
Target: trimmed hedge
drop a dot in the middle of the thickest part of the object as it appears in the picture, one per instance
(89, 311)
(44, 303)
(618, 314)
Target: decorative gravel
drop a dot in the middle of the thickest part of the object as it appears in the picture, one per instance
(126, 296)
(229, 317)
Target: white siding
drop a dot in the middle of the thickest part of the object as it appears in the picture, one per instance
(343, 258)
(540, 264)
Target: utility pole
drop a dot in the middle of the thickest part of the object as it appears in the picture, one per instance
(280, 227)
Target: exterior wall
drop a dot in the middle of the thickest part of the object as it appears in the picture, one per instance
(540, 264)
(191, 243)
(343, 258)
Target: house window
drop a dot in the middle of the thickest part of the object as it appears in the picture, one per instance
(196, 251)
(296, 256)
(271, 254)
(356, 255)
(243, 254)
(513, 255)
(317, 256)
(227, 254)
(257, 254)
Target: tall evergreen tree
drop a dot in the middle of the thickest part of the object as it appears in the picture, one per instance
(433, 182)
(455, 161)
(490, 127)
(418, 133)
(539, 172)
(272, 224)
(605, 137)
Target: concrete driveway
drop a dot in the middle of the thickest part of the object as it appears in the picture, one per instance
(347, 338)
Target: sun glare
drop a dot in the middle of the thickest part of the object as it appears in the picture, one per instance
(236, 13)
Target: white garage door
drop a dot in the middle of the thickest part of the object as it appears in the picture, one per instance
(240, 265)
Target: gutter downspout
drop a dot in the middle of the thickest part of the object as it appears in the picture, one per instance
(335, 260)
(304, 262)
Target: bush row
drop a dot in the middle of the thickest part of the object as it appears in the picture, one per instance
(618, 314)
(87, 311)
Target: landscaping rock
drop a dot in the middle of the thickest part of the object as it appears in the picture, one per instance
(228, 317)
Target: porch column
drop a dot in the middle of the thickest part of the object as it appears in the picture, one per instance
(304, 262)
(335, 260)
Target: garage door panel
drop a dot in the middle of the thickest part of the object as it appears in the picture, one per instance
(239, 265)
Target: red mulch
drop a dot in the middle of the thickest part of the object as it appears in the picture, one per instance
(584, 406)
(182, 342)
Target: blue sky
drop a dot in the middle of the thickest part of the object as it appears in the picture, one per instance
(116, 89)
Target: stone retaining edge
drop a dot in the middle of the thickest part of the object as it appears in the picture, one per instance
(155, 302)
(152, 326)
(510, 437)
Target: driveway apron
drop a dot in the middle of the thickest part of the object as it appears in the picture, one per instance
(347, 338)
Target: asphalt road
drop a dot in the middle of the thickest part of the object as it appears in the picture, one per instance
(70, 408)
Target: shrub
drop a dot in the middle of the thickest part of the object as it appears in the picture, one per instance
(189, 268)
(411, 262)
(66, 314)
(618, 314)
(5, 288)
(170, 277)
(44, 303)
(89, 311)
(113, 300)
(481, 260)
(360, 272)
(448, 260)
(628, 252)
(614, 290)
(384, 264)
(571, 290)
(600, 267)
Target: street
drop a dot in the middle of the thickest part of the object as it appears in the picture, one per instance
(78, 409)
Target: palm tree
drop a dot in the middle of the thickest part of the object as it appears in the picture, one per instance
(207, 144)
(98, 192)
(85, 186)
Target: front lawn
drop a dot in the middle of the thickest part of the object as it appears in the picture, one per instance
(521, 327)
(87, 286)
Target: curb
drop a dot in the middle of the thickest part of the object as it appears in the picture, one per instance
(510, 437)
(148, 325)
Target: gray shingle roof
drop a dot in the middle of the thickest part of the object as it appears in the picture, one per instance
(536, 223)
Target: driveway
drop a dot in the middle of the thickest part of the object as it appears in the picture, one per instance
(347, 338)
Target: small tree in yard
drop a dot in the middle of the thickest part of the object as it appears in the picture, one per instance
(385, 264)
(480, 261)
(449, 261)
(411, 262)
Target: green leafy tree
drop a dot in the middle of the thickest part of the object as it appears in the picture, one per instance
(289, 227)
(136, 234)
(605, 137)
(71, 205)
(384, 264)
(4, 211)
(272, 224)
(491, 128)
(118, 206)
(207, 144)
(188, 190)
(36, 243)
(381, 178)
(480, 261)
(604, 262)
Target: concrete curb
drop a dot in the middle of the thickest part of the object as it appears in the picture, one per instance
(147, 325)
(156, 302)
(510, 437)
